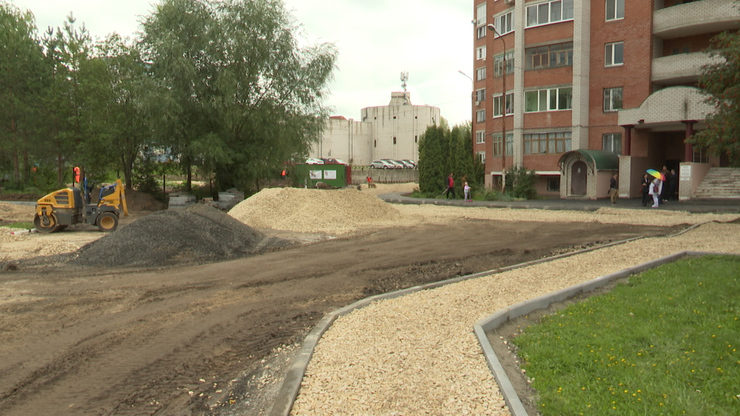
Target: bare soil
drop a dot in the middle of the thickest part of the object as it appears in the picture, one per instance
(213, 339)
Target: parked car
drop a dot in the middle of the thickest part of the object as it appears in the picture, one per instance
(333, 161)
(406, 164)
(314, 161)
(381, 164)
(393, 163)
(410, 162)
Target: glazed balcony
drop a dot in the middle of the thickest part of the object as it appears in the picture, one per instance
(695, 18)
(683, 68)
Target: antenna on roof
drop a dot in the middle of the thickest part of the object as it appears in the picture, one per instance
(404, 78)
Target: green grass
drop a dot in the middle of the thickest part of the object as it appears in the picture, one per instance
(23, 225)
(666, 343)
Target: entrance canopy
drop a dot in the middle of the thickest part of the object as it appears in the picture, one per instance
(595, 159)
(667, 108)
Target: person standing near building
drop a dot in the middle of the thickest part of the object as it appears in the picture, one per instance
(672, 183)
(466, 191)
(450, 187)
(645, 184)
(656, 186)
(613, 189)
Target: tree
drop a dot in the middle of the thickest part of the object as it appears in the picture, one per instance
(20, 71)
(443, 151)
(722, 81)
(247, 98)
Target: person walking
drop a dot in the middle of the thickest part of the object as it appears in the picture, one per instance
(450, 187)
(613, 190)
(645, 184)
(656, 186)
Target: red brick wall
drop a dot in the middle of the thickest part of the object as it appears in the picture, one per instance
(634, 76)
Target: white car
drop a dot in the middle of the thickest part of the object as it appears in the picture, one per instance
(394, 164)
(314, 161)
(381, 164)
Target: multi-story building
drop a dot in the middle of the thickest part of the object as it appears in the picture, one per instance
(577, 90)
(385, 132)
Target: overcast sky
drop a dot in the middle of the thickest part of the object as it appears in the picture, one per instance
(376, 40)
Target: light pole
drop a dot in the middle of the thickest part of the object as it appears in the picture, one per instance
(492, 28)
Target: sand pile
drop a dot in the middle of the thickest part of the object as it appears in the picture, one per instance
(313, 211)
(197, 234)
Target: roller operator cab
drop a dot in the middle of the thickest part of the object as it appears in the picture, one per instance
(64, 207)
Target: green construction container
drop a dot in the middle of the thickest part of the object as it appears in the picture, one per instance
(333, 175)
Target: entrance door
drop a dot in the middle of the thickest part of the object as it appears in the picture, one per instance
(578, 179)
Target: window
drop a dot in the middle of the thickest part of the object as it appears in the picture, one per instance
(498, 64)
(480, 115)
(480, 22)
(509, 104)
(480, 137)
(504, 23)
(551, 56)
(481, 157)
(614, 9)
(394, 140)
(614, 54)
(480, 95)
(550, 142)
(553, 183)
(549, 12)
(480, 73)
(612, 142)
(496, 140)
(550, 99)
(612, 99)
(480, 52)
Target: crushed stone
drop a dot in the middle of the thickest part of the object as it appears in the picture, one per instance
(196, 234)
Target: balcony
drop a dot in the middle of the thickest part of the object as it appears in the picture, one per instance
(695, 18)
(683, 68)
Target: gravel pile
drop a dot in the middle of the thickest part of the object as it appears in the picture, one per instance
(196, 234)
(417, 354)
(338, 212)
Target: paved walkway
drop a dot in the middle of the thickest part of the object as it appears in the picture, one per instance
(694, 205)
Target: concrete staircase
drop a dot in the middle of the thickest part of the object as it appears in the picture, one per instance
(720, 183)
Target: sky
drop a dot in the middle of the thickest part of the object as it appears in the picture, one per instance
(376, 40)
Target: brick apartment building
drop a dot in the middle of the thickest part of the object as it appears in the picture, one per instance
(592, 88)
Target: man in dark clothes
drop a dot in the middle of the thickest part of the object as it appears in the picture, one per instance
(672, 182)
(450, 187)
(645, 184)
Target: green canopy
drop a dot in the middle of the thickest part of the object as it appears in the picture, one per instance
(601, 159)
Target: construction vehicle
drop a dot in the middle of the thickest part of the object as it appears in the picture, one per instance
(59, 209)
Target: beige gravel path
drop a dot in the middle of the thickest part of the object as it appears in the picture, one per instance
(418, 355)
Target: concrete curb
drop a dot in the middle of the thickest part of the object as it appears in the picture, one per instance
(292, 383)
(482, 327)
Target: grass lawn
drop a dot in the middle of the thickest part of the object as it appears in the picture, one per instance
(666, 343)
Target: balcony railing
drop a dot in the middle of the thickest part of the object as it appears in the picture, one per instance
(682, 68)
(698, 17)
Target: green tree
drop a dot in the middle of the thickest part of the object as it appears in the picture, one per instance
(433, 162)
(21, 60)
(722, 81)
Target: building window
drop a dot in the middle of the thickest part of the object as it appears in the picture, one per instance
(481, 157)
(498, 64)
(699, 155)
(553, 183)
(614, 9)
(504, 23)
(375, 143)
(480, 14)
(612, 99)
(611, 142)
(480, 53)
(550, 99)
(496, 140)
(551, 56)
(480, 137)
(550, 142)
(549, 12)
(394, 140)
(416, 139)
(614, 54)
(498, 101)
(480, 116)
(480, 73)
(480, 95)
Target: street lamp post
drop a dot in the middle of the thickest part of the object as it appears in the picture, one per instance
(492, 28)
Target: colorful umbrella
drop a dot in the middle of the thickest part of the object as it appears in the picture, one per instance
(655, 173)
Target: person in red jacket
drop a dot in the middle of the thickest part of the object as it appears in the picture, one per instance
(450, 187)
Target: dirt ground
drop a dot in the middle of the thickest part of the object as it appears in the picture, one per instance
(211, 339)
